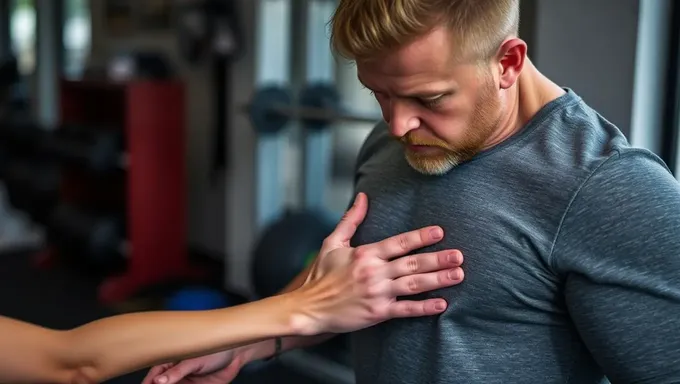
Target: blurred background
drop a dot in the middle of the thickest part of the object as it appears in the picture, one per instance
(168, 154)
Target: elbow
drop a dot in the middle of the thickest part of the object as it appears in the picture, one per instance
(80, 375)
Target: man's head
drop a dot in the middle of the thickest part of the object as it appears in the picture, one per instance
(439, 69)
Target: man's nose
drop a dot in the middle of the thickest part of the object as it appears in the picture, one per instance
(402, 119)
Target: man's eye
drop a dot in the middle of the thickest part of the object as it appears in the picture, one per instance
(431, 103)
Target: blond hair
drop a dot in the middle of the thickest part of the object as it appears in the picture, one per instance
(360, 29)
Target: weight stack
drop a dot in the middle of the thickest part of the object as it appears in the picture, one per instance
(88, 238)
(93, 148)
(32, 187)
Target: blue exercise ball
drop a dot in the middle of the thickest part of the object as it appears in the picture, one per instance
(196, 299)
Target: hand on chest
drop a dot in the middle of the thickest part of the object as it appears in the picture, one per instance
(505, 248)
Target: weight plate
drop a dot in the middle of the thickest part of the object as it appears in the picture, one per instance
(264, 120)
(322, 96)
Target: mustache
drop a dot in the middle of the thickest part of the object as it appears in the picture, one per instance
(411, 139)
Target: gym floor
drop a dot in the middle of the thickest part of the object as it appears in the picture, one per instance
(62, 298)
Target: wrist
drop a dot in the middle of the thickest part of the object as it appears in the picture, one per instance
(300, 316)
(256, 351)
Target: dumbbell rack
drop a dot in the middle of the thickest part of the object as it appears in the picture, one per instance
(149, 187)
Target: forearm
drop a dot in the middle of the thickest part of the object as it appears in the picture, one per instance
(113, 346)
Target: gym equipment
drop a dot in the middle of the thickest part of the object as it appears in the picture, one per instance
(98, 237)
(286, 247)
(320, 96)
(210, 30)
(100, 150)
(270, 109)
(32, 187)
(140, 64)
(196, 299)
(21, 136)
(134, 217)
(259, 110)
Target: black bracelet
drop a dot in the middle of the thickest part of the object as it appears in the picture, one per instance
(278, 345)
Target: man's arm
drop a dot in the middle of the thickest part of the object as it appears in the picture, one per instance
(619, 251)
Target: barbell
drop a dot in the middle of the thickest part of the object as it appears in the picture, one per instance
(272, 107)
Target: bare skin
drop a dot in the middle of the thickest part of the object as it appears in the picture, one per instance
(444, 110)
(347, 289)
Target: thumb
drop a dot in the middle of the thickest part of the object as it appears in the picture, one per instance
(177, 373)
(350, 221)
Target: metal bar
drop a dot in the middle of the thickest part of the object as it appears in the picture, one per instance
(324, 114)
(320, 67)
(320, 114)
(48, 63)
(272, 67)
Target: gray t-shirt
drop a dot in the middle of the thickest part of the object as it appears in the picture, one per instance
(571, 240)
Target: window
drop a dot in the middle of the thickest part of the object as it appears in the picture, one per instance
(77, 35)
(23, 34)
(671, 133)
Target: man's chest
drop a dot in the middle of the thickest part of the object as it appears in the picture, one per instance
(504, 237)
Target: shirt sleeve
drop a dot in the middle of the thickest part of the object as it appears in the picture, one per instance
(618, 250)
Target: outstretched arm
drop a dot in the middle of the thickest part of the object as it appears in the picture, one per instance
(112, 346)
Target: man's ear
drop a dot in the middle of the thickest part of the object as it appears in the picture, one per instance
(510, 58)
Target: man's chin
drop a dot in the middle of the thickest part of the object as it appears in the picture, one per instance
(431, 165)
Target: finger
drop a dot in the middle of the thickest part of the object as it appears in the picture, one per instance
(425, 282)
(403, 243)
(176, 373)
(154, 372)
(408, 308)
(423, 263)
(350, 221)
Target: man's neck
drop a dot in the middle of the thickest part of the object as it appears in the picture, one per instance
(528, 96)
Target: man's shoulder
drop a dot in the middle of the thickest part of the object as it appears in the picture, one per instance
(625, 172)
(375, 140)
(628, 193)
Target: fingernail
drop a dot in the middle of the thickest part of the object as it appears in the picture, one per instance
(440, 305)
(162, 379)
(453, 258)
(455, 274)
(436, 233)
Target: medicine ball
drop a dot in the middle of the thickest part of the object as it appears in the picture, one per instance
(286, 247)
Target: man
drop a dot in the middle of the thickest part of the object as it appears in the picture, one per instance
(571, 236)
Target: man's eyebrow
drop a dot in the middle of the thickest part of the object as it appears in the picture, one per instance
(430, 94)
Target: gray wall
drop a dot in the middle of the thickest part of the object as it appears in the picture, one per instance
(590, 46)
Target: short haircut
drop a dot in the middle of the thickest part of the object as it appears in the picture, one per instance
(361, 29)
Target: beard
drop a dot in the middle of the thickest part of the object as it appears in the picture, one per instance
(446, 156)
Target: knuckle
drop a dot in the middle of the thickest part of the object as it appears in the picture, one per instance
(443, 278)
(327, 242)
(360, 253)
(412, 264)
(403, 242)
(364, 273)
(444, 258)
(424, 235)
(412, 285)
(408, 309)
(374, 312)
(373, 291)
